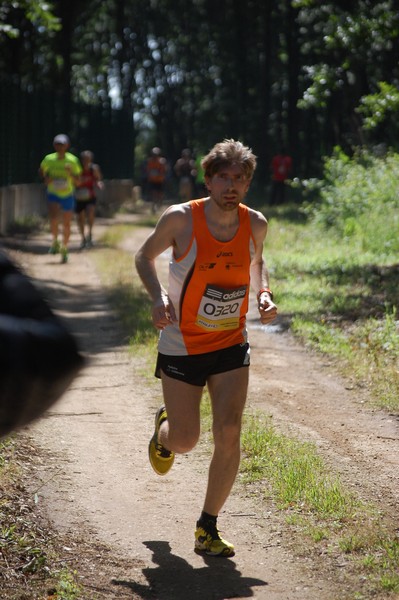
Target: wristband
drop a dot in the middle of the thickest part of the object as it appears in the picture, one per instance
(264, 290)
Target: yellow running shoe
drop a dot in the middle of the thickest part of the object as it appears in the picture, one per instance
(161, 459)
(208, 540)
(64, 254)
(54, 248)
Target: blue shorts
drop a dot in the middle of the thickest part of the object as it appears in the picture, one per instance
(196, 368)
(67, 203)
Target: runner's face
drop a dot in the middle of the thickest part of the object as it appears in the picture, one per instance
(61, 149)
(228, 187)
(86, 162)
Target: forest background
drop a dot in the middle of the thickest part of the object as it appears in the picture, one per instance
(120, 76)
(320, 78)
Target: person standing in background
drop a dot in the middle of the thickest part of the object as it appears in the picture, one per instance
(156, 171)
(60, 171)
(185, 172)
(281, 167)
(85, 194)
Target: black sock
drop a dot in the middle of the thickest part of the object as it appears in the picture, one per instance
(205, 517)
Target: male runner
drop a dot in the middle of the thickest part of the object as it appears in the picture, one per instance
(60, 171)
(217, 247)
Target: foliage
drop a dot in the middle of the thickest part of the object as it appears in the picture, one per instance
(67, 588)
(355, 35)
(377, 107)
(29, 558)
(39, 13)
(26, 226)
(317, 505)
(299, 73)
(295, 472)
(358, 200)
(337, 275)
(367, 351)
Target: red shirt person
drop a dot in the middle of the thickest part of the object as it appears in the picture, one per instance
(281, 168)
(90, 181)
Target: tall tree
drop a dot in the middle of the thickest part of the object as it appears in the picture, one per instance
(351, 46)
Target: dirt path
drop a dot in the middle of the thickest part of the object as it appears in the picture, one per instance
(100, 485)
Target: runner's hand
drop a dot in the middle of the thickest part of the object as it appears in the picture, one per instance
(267, 309)
(163, 314)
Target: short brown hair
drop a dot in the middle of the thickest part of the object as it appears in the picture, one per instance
(227, 153)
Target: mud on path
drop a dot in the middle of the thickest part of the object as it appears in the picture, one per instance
(132, 531)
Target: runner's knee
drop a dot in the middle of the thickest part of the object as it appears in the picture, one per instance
(227, 436)
(182, 441)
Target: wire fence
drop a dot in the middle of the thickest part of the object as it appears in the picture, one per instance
(29, 120)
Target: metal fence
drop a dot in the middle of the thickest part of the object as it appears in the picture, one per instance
(29, 120)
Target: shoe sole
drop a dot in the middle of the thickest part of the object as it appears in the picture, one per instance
(153, 440)
(226, 553)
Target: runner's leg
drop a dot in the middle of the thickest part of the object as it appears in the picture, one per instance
(66, 220)
(91, 213)
(228, 393)
(54, 215)
(181, 431)
(80, 217)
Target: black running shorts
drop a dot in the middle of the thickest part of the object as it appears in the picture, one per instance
(196, 368)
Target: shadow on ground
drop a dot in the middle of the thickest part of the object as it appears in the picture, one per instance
(175, 579)
(85, 308)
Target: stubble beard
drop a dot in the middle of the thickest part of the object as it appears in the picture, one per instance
(227, 206)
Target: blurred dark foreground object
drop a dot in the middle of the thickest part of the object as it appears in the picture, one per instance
(39, 358)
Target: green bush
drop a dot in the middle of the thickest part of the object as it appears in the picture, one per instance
(359, 199)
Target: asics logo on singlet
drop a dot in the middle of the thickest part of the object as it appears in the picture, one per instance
(219, 254)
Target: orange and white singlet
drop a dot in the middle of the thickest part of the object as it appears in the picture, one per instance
(209, 288)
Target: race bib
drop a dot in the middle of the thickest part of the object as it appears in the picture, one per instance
(82, 193)
(60, 184)
(220, 308)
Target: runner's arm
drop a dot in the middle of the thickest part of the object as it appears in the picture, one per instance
(98, 176)
(162, 238)
(259, 272)
(43, 172)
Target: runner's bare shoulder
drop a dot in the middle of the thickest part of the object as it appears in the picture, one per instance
(177, 220)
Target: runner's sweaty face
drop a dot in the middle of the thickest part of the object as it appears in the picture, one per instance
(228, 187)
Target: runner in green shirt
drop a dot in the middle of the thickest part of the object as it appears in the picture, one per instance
(60, 171)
